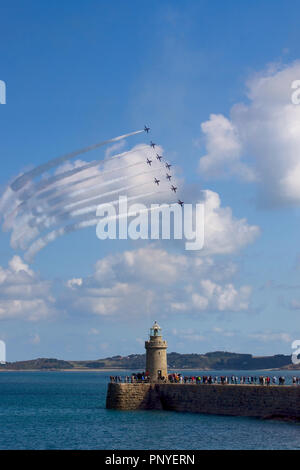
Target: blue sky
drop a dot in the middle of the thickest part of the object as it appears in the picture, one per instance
(80, 72)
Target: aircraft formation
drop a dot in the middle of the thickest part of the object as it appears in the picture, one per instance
(70, 205)
(167, 165)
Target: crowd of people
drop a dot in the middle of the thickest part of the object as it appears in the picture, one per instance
(233, 379)
(133, 378)
(210, 379)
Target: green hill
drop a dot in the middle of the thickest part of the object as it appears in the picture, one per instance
(216, 360)
(37, 364)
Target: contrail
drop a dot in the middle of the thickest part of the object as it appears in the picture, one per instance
(64, 214)
(86, 210)
(66, 187)
(60, 212)
(93, 208)
(41, 185)
(72, 195)
(20, 182)
(52, 236)
(57, 194)
(97, 196)
(133, 214)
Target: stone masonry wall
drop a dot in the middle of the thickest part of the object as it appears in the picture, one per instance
(132, 397)
(235, 400)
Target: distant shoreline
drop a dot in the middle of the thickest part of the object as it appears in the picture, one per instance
(213, 361)
(122, 370)
(62, 370)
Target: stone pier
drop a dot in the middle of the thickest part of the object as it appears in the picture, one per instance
(271, 401)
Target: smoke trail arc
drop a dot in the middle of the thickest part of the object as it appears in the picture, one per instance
(60, 216)
(61, 203)
(65, 188)
(73, 196)
(29, 202)
(42, 242)
(43, 184)
(85, 211)
(62, 213)
(20, 182)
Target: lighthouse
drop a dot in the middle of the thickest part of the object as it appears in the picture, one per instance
(156, 354)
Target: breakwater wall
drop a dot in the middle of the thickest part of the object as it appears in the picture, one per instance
(271, 401)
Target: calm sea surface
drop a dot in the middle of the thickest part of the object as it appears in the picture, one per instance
(66, 410)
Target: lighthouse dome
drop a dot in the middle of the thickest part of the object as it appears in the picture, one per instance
(155, 330)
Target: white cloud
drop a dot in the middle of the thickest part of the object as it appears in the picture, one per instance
(23, 294)
(260, 140)
(222, 231)
(151, 279)
(271, 336)
(147, 264)
(188, 334)
(222, 297)
(16, 265)
(223, 149)
(72, 283)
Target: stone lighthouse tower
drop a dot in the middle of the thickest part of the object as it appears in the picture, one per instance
(156, 354)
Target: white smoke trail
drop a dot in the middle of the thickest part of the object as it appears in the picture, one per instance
(28, 226)
(42, 242)
(93, 208)
(64, 212)
(74, 194)
(40, 186)
(47, 207)
(85, 211)
(33, 227)
(29, 203)
(66, 187)
(83, 202)
(133, 214)
(20, 182)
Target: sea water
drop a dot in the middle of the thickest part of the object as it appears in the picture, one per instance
(66, 410)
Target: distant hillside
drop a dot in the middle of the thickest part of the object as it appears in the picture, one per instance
(226, 360)
(37, 364)
(210, 361)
